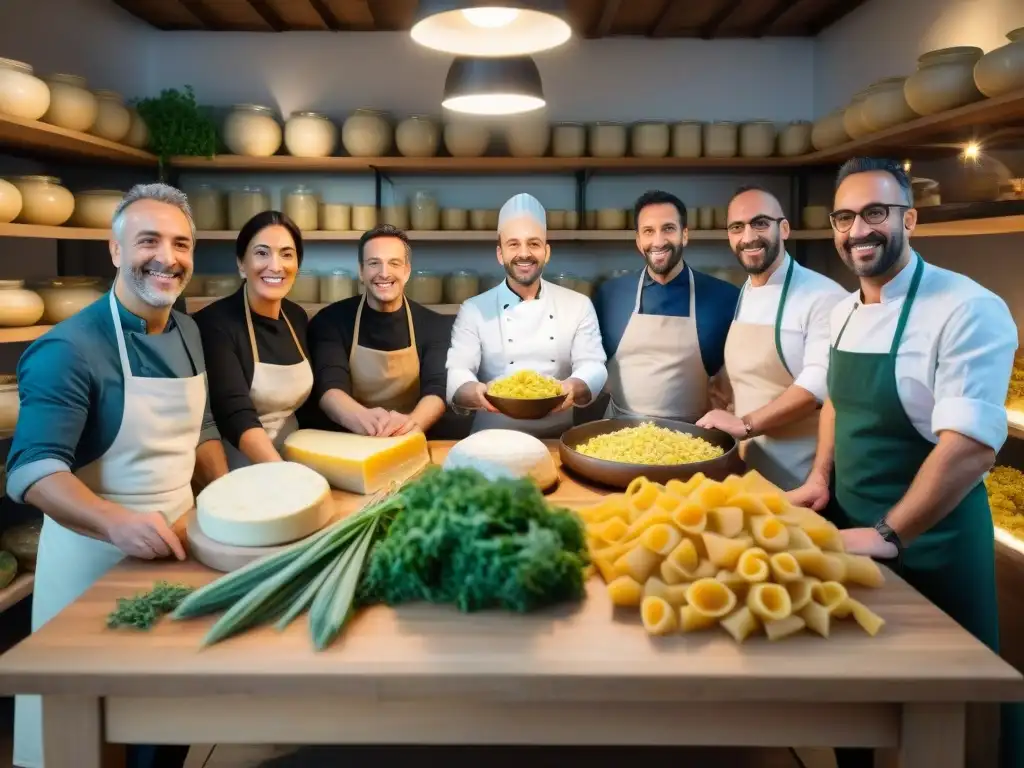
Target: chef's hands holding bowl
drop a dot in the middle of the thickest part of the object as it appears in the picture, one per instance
(576, 392)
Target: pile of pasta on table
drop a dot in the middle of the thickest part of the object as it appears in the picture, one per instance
(704, 553)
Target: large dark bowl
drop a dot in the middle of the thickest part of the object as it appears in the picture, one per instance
(525, 408)
(618, 474)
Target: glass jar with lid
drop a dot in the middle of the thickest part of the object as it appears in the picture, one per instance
(460, 286)
(208, 208)
(252, 130)
(337, 285)
(113, 120)
(302, 205)
(22, 94)
(336, 217)
(424, 213)
(306, 288)
(245, 203)
(310, 134)
(425, 287)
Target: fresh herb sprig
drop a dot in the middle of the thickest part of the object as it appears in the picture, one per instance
(178, 125)
(143, 610)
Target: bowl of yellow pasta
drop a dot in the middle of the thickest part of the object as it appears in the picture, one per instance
(525, 395)
(614, 452)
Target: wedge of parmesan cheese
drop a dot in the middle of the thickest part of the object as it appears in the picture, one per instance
(504, 453)
(357, 463)
(264, 505)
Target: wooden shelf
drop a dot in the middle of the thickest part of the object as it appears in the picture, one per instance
(37, 137)
(997, 225)
(27, 333)
(195, 303)
(17, 590)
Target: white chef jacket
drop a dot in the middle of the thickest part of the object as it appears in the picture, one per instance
(497, 333)
(804, 333)
(954, 362)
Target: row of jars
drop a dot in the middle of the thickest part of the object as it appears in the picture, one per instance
(945, 79)
(48, 300)
(67, 102)
(44, 200)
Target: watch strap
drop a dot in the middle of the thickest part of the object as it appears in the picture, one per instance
(887, 533)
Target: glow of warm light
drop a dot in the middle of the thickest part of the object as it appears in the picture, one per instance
(906, 166)
(972, 151)
(490, 17)
(493, 104)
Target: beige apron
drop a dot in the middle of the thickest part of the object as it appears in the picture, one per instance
(389, 380)
(276, 392)
(148, 468)
(759, 374)
(657, 369)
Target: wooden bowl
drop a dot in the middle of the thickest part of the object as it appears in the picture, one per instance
(525, 408)
(617, 474)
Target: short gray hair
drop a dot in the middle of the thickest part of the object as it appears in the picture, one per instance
(162, 193)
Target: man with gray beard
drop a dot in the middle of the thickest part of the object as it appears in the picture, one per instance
(114, 429)
(776, 355)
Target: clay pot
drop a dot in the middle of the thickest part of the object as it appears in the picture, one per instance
(944, 80)
(795, 139)
(885, 105)
(417, 136)
(852, 122)
(829, 131)
(1002, 70)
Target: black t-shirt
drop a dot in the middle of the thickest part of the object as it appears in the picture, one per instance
(229, 361)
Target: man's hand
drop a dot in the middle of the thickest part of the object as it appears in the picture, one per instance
(725, 421)
(471, 395)
(576, 393)
(399, 424)
(813, 494)
(868, 541)
(367, 421)
(144, 535)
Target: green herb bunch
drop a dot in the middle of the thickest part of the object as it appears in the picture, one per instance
(463, 539)
(177, 125)
(143, 610)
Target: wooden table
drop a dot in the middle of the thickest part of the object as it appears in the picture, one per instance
(578, 674)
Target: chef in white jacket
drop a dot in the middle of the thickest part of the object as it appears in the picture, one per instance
(525, 323)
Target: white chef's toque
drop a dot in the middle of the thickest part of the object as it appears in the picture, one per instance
(520, 205)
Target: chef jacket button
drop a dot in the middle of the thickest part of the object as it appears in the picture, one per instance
(506, 306)
(552, 338)
(510, 341)
(552, 317)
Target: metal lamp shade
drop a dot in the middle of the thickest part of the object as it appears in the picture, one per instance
(491, 28)
(493, 86)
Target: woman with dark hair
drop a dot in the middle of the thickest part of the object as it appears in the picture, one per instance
(255, 344)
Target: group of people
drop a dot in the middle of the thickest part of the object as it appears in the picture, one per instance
(883, 409)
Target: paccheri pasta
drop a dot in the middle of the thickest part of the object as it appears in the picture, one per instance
(696, 554)
(651, 445)
(525, 385)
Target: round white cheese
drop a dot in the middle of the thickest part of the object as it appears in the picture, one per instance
(504, 453)
(264, 505)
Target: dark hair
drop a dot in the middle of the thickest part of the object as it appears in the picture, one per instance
(867, 164)
(657, 197)
(384, 230)
(756, 188)
(261, 221)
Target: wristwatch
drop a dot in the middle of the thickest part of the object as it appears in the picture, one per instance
(749, 427)
(889, 535)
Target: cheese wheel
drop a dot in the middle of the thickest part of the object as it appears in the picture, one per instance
(264, 505)
(504, 453)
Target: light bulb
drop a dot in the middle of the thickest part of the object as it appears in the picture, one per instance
(490, 17)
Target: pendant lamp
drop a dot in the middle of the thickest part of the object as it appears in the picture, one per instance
(491, 27)
(493, 86)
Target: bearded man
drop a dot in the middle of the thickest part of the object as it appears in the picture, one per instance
(114, 427)
(664, 327)
(776, 354)
(525, 323)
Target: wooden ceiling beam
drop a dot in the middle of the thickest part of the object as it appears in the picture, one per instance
(374, 13)
(201, 14)
(326, 15)
(665, 23)
(764, 24)
(831, 15)
(604, 24)
(268, 14)
(720, 16)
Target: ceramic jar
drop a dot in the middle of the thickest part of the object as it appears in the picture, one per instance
(829, 131)
(245, 203)
(335, 217)
(556, 220)
(337, 285)
(222, 285)
(208, 208)
(43, 200)
(461, 286)
(138, 131)
(466, 138)
(569, 140)
(94, 208)
(22, 94)
(687, 138)
(706, 217)
(417, 136)
(721, 139)
(366, 133)
(572, 220)
(113, 120)
(1002, 70)
(611, 218)
(425, 287)
(423, 212)
(364, 217)
(72, 105)
(252, 130)
(651, 139)
(720, 217)
(478, 219)
(10, 202)
(757, 139)
(196, 286)
(19, 307)
(815, 217)
(852, 123)
(608, 140)
(65, 296)
(302, 205)
(795, 139)
(306, 288)
(455, 219)
(310, 134)
(528, 137)
(10, 407)
(885, 105)
(396, 215)
(944, 80)
(926, 192)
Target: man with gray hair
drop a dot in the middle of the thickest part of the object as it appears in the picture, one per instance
(114, 427)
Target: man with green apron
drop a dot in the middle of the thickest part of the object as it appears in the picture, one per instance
(776, 353)
(920, 364)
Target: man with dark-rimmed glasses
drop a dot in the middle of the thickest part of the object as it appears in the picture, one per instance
(920, 364)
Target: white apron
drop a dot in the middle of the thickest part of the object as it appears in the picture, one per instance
(148, 468)
(388, 379)
(657, 370)
(276, 392)
(550, 351)
(759, 374)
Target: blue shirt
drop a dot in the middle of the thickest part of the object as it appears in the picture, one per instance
(715, 302)
(71, 388)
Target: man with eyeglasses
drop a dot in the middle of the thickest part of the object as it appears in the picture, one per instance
(776, 354)
(920, 364)
(663, 327)
(525, 323)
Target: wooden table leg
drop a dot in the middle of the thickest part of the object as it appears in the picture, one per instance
(932, 736)
(72, 732)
